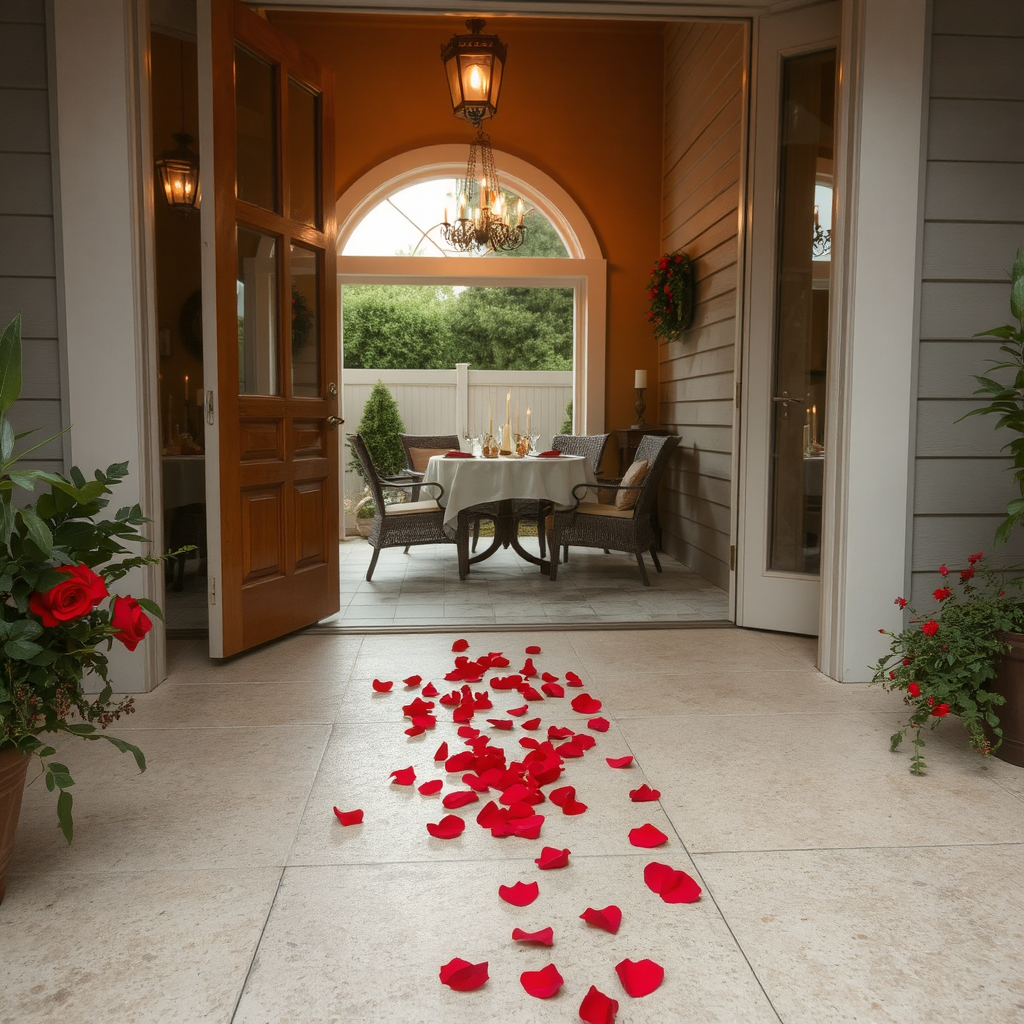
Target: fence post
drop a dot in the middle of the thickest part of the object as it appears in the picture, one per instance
(461, 398)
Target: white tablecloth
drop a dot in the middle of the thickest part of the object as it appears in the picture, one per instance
(184, 480)
(469, 482)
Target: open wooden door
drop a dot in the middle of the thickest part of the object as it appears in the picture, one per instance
(271, 349)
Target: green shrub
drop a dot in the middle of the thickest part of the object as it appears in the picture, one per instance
(380, 426)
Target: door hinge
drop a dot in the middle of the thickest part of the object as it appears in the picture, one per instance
(732, 558)
(739, 388)
(213, 589)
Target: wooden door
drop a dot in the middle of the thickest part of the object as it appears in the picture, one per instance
(271, 349)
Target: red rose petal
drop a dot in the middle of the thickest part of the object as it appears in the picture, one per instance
(415, 730)
(533, 649)
(404, 776)
(559, 796)
(381, 687)
(501, 723)
(514, 794)
(528, 671)
(527, 828)
(671, 885)
(639, 977)
(643, 794)
(491, 815)
(450, 826)
(573, 806)
(553, 689)
(620, 762)
(549, 677)
(584, 740)
(543, 983)
(431, 787)
(430, 690)
(442, 752)
(531, 724)
(460, 645)
(518, 712)
(529, 693)
(585, 704)
(413, 680)
(597, 724)
(609, 919)
(559, 732)
(550, 858)
(546, 936)
(597, 1008)
(572, 679)
(570, 749)
(522, 894)
(468, 732)
(462, 976)
(459, 798)
(647, 836)
(349, 817)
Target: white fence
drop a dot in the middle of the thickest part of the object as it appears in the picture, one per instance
(451, 401)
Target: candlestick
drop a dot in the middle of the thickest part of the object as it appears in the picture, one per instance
(807, 439)
(506, 440)
(640, 408)
(640, 379)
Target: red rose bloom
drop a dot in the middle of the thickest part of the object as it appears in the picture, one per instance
(966, 574)
(913, 689)
(942, 593)
(130, 621)
(975, 558)
(940, 710)
(663, 263)
(906, 661)
(71, 598)
(943, 570)
(900, 602)
(930, 628)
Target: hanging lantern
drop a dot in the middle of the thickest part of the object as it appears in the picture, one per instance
(474, 65)
(179, 175)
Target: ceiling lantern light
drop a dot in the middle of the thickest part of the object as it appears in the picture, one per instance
(474, 65)
(179, 175)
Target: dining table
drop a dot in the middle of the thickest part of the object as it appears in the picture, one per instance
(499, 489)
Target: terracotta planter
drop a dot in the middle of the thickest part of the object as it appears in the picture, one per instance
(13, 767)
(364, 526)
(1009, 682)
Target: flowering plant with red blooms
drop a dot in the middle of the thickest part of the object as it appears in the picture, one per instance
(58, 617)
(670, 292)
(943, 662)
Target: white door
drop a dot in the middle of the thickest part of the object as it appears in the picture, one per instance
(788, 273)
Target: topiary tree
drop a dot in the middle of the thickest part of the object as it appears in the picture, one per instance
(379, 428)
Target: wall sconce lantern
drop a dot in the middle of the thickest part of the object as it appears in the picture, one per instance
(179, 175)
(474, 65)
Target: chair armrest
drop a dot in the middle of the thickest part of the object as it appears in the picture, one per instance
(409, 487)
(396, 480)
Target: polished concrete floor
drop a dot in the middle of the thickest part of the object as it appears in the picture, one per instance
(219, 887)
(423, 588)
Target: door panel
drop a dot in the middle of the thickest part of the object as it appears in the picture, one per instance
(269, 259)
(787, 331)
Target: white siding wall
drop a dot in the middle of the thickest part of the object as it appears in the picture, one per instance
(974, 222)
(705, 65)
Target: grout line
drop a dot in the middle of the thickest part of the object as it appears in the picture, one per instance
(849, 849)
(256, 948)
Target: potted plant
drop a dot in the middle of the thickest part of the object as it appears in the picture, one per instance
(947, 663)
(58, 618)
(363, 511)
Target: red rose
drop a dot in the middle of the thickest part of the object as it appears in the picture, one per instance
(943, 570)
(914, 690)
(966, 574)
(931, 702)
(975, 558)
(663, 263)
(901, 602)
(940, 710)
(71, 598)
(892, 674)
(930, 628)
(942, 593)
(130, 621)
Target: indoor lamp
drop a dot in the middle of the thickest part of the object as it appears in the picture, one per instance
(474, 66)
(179, 168)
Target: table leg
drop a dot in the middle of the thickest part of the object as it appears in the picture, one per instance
(505, 535)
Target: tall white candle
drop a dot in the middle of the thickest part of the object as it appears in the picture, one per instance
(640, 379)
(508, 407)
(814, 423)
(527, 419)
(490, 420)
(518, 431)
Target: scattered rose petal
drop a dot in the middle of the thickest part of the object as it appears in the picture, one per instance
(639, 977)
(572, 679)
(522, 894)
(549, 677)
(431, 787)
(570, 749)
(585, 704)
(597, 724)
(643, 794)
(514, 794)
(553, 689)
(450, 826)
(671, 885)
(413, 680)
(462, 976)
(442, 752)
(526, 828)
(546, 936)
(543, 983)
(349, 817)
(528, 671)
(430, 690)
(501, 723)
(559, 732)
(460, 645)
(468, 732)
(459, 798)
(584, 740)
(531, 723)
(597, 1008)
(609, 919)
(529, 693)
(647, 836)
(475, 782)
(415, 730)
(533, 649)
(381, 687)
(518, 712)
(573, 806)
(620, 762)
(550, 858)
(404, 776)
(559, 796)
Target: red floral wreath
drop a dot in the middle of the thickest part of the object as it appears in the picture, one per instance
(671, 295)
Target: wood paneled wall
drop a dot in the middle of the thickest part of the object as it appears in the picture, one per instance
(705, 64)
(974, 222)
(27, 255)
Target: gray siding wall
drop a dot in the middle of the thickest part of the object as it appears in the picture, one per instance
(704, 96)
(973, 224)
(28, 265)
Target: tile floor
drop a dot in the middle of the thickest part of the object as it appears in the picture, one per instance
(423, 589)
(218, 886)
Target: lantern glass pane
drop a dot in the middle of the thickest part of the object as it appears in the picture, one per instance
(496, 81)
(303, 154)
(454, 85)
(256, 130)
(256, 292)
(476, 77)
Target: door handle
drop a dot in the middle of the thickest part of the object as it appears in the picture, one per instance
(333, 422)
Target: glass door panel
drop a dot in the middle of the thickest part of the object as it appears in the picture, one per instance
(256, 130)
(256, 293)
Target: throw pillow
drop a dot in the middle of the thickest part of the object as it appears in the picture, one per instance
(634, 477)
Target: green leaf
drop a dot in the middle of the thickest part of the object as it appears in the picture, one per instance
(25, 479)
(126, 748)
(151, 606)
(1017, 298)
(10, 364)
(38, 531)
(6, 438)
(1018, 266)
(21, 650)
(67, 825)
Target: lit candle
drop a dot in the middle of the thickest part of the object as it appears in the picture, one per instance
(640, 379)
(508, 407)
(519, 213)
(518, 431)
(490, 420)
(446, 216)
(527, 419)
(814, 423)
(186, 390)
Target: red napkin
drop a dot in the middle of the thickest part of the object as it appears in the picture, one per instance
(458, 455)
(548, 455)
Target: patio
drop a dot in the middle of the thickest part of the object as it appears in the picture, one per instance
(219, 887)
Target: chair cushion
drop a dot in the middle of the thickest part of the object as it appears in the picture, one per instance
(405, 508)
(421, 456)
(633, 477)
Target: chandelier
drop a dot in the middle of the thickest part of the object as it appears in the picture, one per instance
(484, 219)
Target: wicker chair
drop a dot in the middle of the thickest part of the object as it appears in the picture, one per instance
(597, 525)
(401, 524)
(591, 446)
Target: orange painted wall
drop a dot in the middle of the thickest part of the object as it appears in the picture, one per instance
(581, 100)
